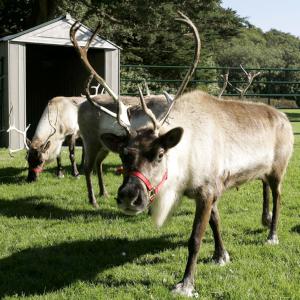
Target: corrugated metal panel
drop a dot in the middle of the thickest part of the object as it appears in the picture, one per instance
(112, 70)
(3, 94)
(2, 60)
(17, 92)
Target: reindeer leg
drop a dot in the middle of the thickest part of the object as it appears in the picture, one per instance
(266, 218)
(72, 141)
(89, 161)
(82, 157)
(203, 212)
(101, 156)
(221, 256)
(276, 195)
(59, 171)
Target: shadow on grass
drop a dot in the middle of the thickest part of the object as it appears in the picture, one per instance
(251, 237)
(47, 269)
(293, 117)
(296, 229)
(11, 175)
(107, 168)
(35, 207)
(255, 231)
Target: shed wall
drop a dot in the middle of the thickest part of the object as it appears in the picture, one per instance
(3, 93)
(17, 92)
(112, 70)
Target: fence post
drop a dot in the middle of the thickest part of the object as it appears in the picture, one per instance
(269, 86)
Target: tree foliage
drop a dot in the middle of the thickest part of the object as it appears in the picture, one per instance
(148, 33)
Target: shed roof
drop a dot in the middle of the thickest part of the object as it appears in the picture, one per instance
(56, 32)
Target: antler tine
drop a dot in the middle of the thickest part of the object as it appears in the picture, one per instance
(169, 98)
(87, 46)
(96, 89)
(147, 87)
(95, 104)
(148, 111)
(186, 20)
(53, 127)
(225, 83)
(12, 127)
(23, 133)
(250, 77)
(122, 116)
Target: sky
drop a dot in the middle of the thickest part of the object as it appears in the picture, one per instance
(267, 14)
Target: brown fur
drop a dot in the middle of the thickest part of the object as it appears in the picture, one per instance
(224, 144)
(93, 123)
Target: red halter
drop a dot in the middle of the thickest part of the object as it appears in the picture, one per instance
(37, 170)
(152, 191)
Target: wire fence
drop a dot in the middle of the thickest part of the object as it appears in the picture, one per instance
(275, 83)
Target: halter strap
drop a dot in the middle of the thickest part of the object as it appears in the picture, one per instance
(152, 191)
(37, 170)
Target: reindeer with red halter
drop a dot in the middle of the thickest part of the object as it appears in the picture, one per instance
(199, 148)
(57, 124)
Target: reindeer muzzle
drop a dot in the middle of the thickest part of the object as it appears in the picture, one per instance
(33, 174)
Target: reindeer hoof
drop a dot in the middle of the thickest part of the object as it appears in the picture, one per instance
(95, 205)
(186, 290)
(104, 195)
(266, 220)
(273, 240)
(222, 259)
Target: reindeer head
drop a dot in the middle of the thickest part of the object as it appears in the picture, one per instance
(144, 159)
(36, 157)
(38, 153)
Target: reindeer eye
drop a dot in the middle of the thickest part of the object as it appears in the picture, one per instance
(160, 155)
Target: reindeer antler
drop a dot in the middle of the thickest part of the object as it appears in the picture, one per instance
(89, 97)
(225, 83)
(50, 123)
(190, 72)
(96, 89)
(23, 133)
(148, 111)
(122, 115)
(250, 77)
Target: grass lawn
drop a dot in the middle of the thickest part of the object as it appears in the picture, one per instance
(53, 245)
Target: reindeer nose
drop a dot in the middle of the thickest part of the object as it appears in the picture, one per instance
(129, 197)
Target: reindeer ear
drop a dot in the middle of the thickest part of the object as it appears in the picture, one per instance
(113, 142)
(28, 142)
(46, 147)
(171, 138)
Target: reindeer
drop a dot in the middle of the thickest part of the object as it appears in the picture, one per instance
(93, 123)
(57, 124)
(199, 148)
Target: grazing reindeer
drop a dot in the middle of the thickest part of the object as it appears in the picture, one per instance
(199, 148)
(57, 124)
(94, 123)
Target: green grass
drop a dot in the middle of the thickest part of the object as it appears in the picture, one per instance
(53, 245)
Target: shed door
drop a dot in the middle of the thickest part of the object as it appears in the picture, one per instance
(54, 71)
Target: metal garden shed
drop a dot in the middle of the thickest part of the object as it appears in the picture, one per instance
(41, 63)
